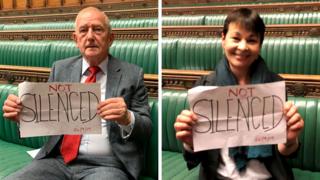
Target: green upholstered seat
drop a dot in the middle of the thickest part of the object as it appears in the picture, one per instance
(151, 163)
(61, 50)
(183, 20)
(215, 20)
(173, 165)
(292, 55)
(141, 53)
(115, 23)
(13, 149)
(282, 55)
(43, 53)
(134, 23)
(191, 53)
(305, 166)
(309, 157)
(40, 26)
(218, 19)
(22, 53)
(228, 2)
(292, 18)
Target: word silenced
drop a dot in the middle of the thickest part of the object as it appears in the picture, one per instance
(241, 110)
(61, 103)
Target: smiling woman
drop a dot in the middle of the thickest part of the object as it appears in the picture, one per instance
(242, 39)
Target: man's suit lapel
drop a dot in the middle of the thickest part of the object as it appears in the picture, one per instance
(75, 71)
(114, 77)
(113, 81)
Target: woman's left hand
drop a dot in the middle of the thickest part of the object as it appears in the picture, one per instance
(295, 122)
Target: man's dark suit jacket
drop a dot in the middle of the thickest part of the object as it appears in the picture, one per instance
(125, 80)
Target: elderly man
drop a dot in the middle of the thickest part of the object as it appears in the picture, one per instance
(117, 153)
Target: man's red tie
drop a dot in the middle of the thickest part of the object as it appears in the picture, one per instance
(70, 143)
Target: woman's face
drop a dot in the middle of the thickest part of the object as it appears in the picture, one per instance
(241, 47)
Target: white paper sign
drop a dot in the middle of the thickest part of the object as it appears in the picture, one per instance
(232, 116)
(59, 108)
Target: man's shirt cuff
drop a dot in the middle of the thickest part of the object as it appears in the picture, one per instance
(127, 129)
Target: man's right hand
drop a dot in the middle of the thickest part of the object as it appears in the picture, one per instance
(183, 126)
(12, 107)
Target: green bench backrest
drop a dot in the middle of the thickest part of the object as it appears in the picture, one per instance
(151, 163)
(174, 101)
(218, 19)
(22, 53)
(292, 18)
(40, 26)
(115, 23)
(134, 23)
(309, 156)
(182, 20)
(142, 53)
(61, 50)
(44, 53)
(282, 55)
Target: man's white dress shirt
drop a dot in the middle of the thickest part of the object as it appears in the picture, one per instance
(99, 144)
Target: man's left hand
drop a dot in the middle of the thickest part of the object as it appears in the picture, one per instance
(114, 109)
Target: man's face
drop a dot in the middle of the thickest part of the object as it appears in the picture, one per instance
(241, 47)
(92, 36)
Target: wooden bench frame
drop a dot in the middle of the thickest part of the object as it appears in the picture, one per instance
(297, 84)
(283, 30)
(115, 14)
(66, 34)
(277, 30)
(16, 74)
(261, 8)
(65, 8)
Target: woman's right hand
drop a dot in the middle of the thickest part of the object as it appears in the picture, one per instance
(12, 107)
(183, 126)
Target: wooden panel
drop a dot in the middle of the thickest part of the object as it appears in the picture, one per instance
(37, 3)
(120, 1)
(21, 4)
(121, 33)
(92, 2)
(54, 3)
(8, 4)
(71, 3)
(277, 30)
(17, 74)
(261, 8)
(296, 84)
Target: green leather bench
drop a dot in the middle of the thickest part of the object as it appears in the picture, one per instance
(274, 18)
(115, 23)
(13, 149)
(218, 19)
(283, 55)
(43, 53)
(40, 26)
(134, 23)
(229, 2)
(305, 166)
(186, 20)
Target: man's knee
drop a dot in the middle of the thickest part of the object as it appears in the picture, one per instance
(104, 172)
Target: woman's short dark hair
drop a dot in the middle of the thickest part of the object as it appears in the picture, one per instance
(248, 19)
